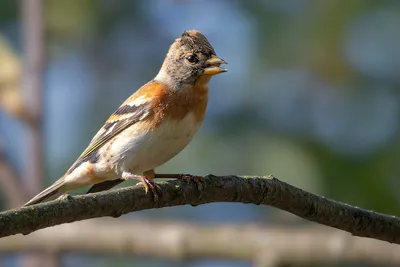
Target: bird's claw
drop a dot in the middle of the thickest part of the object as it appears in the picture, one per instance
(150, 185)
(192, 178)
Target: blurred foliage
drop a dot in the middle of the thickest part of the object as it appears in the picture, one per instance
(309, 112)
(312, 92)
(9, 10)
(68, 20)
(311, 36)
(11, 98)
(90, 18)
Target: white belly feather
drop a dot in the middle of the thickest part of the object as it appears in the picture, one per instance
(149, 150)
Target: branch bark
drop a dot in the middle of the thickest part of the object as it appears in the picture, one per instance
(255, 190)
(184, 241)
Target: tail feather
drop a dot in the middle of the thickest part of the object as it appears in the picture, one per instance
(52, 191)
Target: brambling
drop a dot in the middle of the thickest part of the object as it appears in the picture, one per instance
(152, 126)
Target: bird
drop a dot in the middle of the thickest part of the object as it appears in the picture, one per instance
(150, 127)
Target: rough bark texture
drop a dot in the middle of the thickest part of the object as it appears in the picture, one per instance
(190, 241)
(255, 190)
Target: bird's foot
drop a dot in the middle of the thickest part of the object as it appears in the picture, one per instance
(150, 185)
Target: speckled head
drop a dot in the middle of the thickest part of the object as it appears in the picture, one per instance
(190, 57)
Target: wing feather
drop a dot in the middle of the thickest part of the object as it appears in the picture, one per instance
(136, 108)
(111, 129)
(120, 120)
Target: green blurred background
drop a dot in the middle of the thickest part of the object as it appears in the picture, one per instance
(311, 96)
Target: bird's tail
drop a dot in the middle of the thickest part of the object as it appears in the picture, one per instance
(51, 192)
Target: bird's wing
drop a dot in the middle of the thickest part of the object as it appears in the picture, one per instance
(136, 108)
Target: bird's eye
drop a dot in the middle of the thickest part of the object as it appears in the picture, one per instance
(192, 59)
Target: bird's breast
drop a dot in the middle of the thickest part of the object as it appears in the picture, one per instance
(138, 151)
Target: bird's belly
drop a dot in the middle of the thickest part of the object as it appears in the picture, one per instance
(149, 150)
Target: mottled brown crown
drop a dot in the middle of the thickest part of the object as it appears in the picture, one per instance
(194, 40)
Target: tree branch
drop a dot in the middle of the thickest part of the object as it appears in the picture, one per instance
(184, 241)
(255, 190)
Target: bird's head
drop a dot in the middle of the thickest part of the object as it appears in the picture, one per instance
(190, 57)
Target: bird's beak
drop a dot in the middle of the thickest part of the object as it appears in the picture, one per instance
(213, 66)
